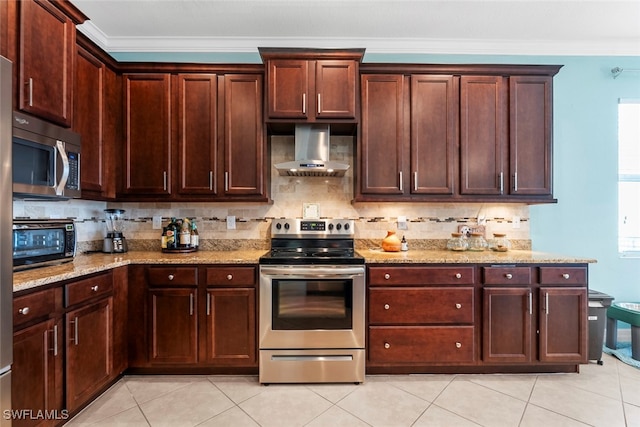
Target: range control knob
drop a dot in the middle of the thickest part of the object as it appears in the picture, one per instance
(278, 226)
(330, 226)
(286, 225)
(338, 226)
(346, 226)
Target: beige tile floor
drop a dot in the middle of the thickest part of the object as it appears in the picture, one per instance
(607, 395)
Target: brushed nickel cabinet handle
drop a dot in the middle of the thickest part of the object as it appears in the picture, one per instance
(55, 340)
(30, 92)
(210, 180)
(164, 180)
(24, 311)
(319, 104)
(400, 177)
(94, 288)
(458, 345)
(530, 304)
(515, 182)
(386, 307)
(387, 276)
(458, 276)
(304, 103)
(170, 277)
(458, 306)
(501, 183)
(415, 181)
(226, 181)
(565, 276)
(509, 276)
(190, 304)
(208, 304)
(387, 345)
(229, 276)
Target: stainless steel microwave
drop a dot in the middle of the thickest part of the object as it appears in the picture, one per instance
(46, 159)
(43, 242)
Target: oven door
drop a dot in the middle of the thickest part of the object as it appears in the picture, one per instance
(305, 307)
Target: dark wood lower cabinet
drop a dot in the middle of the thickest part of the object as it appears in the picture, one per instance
(173, 326)
(563, 324)
(37, 371)
(89, 351)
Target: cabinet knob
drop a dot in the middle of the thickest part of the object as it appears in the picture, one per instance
(458, 276)
(565, 276)
(458, 345)
(24, 310)
(387, 276)
(458, 306)
(509, 276)
(387, 345)
(171, 277)
(94, 288)
(386, 306)
(229, 276)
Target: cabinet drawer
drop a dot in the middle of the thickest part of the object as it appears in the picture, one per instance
(83, 290)
(421, 344)
(33, 306)
(389, 276)
(507, 275)
(563, 276)
(231, 276)
(172, 276)
(421, 305)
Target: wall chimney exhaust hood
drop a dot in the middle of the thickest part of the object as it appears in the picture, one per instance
(312, 154)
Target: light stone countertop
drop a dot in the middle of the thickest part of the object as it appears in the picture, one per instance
(85, 264)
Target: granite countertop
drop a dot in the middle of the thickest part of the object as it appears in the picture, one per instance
(84, 264)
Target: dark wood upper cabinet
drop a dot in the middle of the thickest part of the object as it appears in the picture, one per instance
(197, 133)
(46, 54)
(147, 134)
(434, 126)
(383, 137)
(312, 84)
(96, 118)
(483, 134)
(531, 130)
(244, 145)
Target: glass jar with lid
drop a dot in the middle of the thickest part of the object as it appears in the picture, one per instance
(500, 243)
(477, 243)
(457, 242)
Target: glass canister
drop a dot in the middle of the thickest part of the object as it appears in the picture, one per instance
(477, 243)
(500, 243)
(457, 242)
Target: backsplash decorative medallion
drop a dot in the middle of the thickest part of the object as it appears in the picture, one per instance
(429, 224)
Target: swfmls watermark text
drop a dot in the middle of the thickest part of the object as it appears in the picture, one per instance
(32, 414)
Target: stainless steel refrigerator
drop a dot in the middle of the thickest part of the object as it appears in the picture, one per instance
(6, 247)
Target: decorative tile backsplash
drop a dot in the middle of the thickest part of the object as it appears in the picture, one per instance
(428, 223)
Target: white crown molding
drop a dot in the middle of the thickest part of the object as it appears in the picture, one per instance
(372, 45)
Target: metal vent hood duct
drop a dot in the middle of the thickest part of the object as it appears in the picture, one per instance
(312, 154)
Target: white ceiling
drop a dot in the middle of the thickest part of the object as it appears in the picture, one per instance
(529, 27)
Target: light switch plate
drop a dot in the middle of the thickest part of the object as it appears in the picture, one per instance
(157, 222)
(231, 222)
(515, 221)
(402, 223)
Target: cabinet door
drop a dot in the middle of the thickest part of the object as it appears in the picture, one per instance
(47, 40)
(483, 109)
(244, 145)
(288, 88)
(147, 141)
(563, 324)
(231, 326)
(36, 374)
(174, 325)
(384, 141)
(197, 134)
(92, 119)
(335, 96)
(434, 126)
(530, 124)
(89, 351)
(507, 325)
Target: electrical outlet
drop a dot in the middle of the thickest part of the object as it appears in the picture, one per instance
(231, 222)
(157, 222)
(515, 222)
(402, 223)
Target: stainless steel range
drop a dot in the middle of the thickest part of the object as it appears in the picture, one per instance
(312, 299)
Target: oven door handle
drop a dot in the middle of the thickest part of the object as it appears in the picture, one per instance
(313, 272)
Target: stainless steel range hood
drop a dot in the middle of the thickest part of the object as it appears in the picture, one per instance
(312, 154)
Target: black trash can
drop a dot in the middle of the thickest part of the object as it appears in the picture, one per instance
(598, 304)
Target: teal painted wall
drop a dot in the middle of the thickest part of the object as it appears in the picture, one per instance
(584, 221)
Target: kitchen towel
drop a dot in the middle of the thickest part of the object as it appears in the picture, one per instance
(623, 352)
